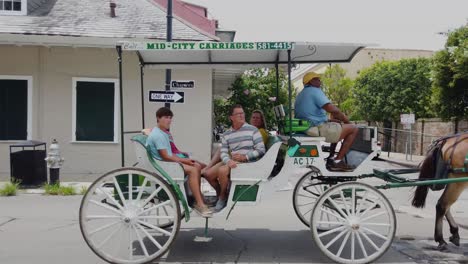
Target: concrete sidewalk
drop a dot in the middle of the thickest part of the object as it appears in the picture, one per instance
(402, 158)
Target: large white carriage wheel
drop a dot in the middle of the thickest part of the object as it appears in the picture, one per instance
(364, 227)
(121, 212)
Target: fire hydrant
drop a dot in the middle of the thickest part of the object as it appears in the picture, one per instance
(54, 162)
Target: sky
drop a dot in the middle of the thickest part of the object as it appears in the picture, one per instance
(401, 24)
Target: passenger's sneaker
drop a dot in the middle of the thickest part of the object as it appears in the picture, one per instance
(203, 210)
(339, 166)
(220, 204)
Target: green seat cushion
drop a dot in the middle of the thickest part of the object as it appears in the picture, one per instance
(298, 125)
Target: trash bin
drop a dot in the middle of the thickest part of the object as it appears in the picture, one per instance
(27, 163)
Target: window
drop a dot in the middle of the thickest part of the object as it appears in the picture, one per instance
(15, 107)
(95, 115)
(13, 7)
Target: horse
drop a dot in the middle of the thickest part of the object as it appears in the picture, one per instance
(454, 152)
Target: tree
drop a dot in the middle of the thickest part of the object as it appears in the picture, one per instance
(390, 88)
(338, 89)
(450, 85)
(255, 89)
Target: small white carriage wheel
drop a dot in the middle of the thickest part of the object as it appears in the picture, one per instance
(121, 212)
(305, 195)
(365, 223)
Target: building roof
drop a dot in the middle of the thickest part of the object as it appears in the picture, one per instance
(135, 19)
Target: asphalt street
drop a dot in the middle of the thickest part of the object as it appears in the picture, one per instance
(38, 229)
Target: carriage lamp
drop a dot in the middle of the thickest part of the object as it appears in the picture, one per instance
(54, 162)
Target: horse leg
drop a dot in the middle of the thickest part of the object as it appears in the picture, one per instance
(450, 196)
(455, 238)
(438, 233)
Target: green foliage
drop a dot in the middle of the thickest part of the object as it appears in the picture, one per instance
(56, 189)
(450, 84)
(390, 88)
(9, 189)
(338, 89)
(255, 89)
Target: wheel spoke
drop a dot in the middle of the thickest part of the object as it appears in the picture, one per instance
(104, 227)
(303, 195)
(130, 187)
(353, 201)
(336, 238)
(130, 241)
(94, 217)
(361, 245)
(142, 245)
(156, 217)
(106, 207)
(374, 233)
(119, 191)
(150, 237)
(160, 230)
(300, 205)
(375, 224)
(364, 200)
(345, 240)
(111, 198)
(335, 215)
(338, 209)
(152, 196)
(140, 193)
(352, 246)
(111, 235)
(369, 208)
(334, 230)
(329, 223)
(154, 207)
(369, 240)
(373, 216)
(344, 202)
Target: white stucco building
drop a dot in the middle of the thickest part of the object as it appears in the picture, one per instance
(59, 80)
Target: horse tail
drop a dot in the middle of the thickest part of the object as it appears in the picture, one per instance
(427, 171)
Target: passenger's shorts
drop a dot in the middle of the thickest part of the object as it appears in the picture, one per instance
(330, 130)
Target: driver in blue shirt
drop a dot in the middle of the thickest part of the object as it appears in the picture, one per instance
(312, 105)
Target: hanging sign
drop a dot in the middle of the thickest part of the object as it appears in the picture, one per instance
(206, 45)
(182, 84)
(166, 97)
(407, 118)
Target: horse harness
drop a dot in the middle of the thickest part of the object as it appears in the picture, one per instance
(439, 143)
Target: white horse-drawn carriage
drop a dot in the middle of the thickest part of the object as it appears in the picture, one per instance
(133, 214)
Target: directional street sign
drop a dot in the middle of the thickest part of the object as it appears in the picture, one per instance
(166, 97)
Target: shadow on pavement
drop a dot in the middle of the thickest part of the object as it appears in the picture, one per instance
(253, 246)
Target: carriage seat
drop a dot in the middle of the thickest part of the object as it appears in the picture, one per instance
(174, 169)
(298, 126)
(257, 170)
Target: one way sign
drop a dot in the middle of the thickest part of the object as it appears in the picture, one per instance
(166, 97)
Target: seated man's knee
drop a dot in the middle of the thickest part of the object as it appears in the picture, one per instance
(224, 170)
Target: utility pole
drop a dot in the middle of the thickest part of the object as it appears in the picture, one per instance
(169, 39)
